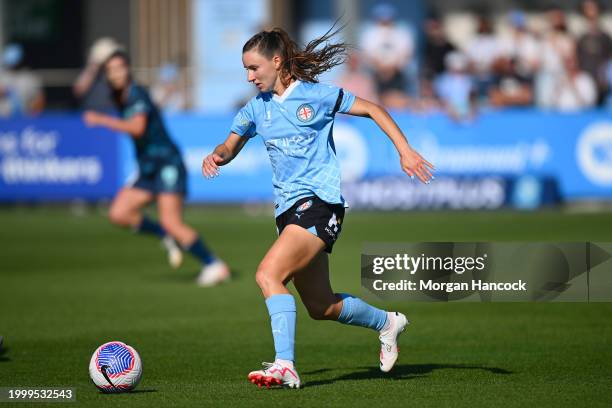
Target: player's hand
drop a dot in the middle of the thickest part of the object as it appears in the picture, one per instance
(210, 165)
(91, 118)
(414, 164)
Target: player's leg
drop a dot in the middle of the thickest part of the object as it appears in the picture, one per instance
(322, 303)
(324, 223)
(170, 207)
(294, 249)
(314, 288)
(125, 211)
(312, 283)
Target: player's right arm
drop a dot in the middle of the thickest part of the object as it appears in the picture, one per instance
(135, 126)
(223, 154)
(242, 129)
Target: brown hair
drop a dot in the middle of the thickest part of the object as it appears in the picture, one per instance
(305, 65)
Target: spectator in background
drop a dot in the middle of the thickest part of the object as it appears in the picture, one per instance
(521, 46)
(166, 91)
(594, 49)
(355, 80)
(21, 91)
(455, 88)
(575, 90)
(436, 48)
(557, 47)
(427, 101)
(482, 50)
(509, 88)
(388, 49)
(91, 87)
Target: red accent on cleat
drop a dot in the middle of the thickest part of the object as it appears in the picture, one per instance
(268, 381)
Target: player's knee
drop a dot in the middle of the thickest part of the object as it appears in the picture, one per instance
(265, 276)
(320, 311)
(261, 277)
(119, 217)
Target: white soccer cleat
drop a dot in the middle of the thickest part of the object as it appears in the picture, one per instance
(388, 340)
(275, 374)
(175, 255)
(213, 274)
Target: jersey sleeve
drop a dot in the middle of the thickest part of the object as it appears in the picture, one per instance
(339, 100)
(347, 100)
(138, 102)
(244, 121)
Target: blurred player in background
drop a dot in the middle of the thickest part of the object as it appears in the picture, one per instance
(294, 115)
(162, 174)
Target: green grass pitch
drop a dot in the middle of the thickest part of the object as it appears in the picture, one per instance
(70, 283)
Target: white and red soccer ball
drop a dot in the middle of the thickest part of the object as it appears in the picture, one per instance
(115, 367)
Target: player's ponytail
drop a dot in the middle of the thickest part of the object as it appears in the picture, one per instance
(305, 65)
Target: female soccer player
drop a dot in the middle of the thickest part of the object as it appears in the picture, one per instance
(294, 116)
(162, 175)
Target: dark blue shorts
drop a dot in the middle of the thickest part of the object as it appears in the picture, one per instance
(164, 178)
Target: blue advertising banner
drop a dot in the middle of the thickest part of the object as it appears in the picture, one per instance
(520, 158)
(56, 158)
(526, 148)
(575, 149)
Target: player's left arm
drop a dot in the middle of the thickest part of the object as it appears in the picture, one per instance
(135, 126)
(411, 161)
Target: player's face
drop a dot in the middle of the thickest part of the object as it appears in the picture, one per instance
(117, 73)
(262, 72)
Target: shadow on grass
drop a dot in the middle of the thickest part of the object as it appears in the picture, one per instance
(3, 357)
(400, 372)
(146, 390)
(190, 277)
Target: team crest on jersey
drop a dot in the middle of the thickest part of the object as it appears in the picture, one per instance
(305, 112)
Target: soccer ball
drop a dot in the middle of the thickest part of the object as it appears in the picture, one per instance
(115, 367)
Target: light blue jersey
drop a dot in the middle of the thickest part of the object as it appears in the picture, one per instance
(296, 128)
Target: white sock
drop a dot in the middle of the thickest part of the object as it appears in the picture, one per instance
(387, 325)
(284, 363)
